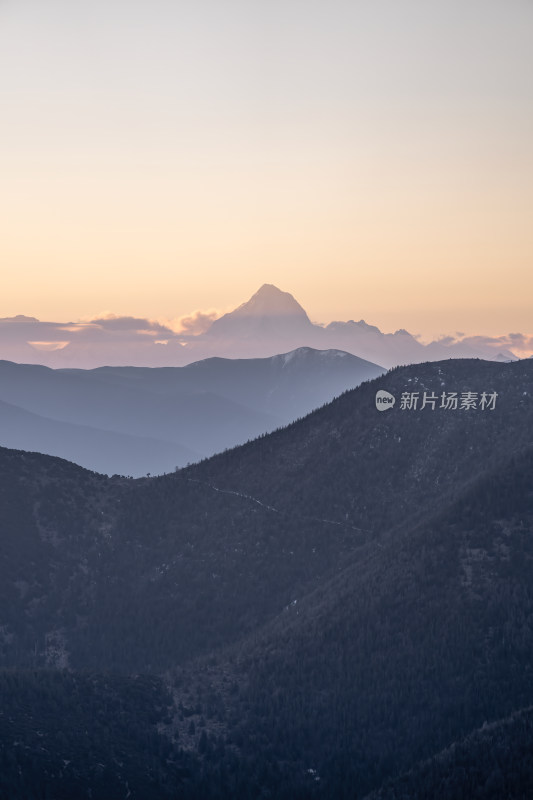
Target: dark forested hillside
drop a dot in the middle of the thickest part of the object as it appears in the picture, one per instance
(372, 469)
(494, 761)
(425, 637)
(331, 604)
(66, 736)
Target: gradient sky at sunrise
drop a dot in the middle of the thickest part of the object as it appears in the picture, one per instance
(373, 158)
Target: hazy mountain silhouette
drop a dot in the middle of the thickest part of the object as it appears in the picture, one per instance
(158, 419)
(94, 448)
(273, 320)
(269, 312)
(270, 322)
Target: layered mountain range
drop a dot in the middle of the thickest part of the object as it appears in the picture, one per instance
(134, 420)
(270, 322)
(338, 608)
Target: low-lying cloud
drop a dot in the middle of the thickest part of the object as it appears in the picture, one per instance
(510, 341)
(196, 323)
(114, 322)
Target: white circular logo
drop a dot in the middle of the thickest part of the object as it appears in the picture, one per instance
(384, 400)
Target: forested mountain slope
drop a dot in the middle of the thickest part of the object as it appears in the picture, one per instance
(331, 605)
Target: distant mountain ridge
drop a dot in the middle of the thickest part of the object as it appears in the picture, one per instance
(134, 421)
(273, 320)
(96, 448)
(270, 322)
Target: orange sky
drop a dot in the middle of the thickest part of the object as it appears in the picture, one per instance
(374, 161)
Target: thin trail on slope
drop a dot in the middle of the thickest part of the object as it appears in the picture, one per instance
(275, 510)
